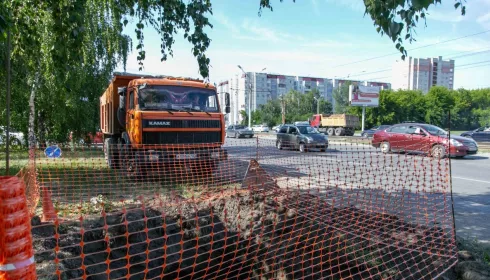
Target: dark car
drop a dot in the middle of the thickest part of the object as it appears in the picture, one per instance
(370, 132)
(239, 131)
(481, 134)
(423, 138)
(302, 137)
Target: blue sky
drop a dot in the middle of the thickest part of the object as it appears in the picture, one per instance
(314, 37)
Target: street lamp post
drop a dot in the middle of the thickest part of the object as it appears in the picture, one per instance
(249, 96)
(317, 105)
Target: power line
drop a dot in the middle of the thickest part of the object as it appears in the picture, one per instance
(388, 69)
(421, 47)
(451, 56)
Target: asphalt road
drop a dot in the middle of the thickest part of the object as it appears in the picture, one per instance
(347, 170)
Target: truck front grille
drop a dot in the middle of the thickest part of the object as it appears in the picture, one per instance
(181, 123)
(174, 137)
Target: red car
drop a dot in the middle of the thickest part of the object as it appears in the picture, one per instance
(90, 139)
(423, 138)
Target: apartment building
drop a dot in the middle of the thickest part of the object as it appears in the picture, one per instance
(268, 86)
(423, 73)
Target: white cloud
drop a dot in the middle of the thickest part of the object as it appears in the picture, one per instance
(225, 21)
(483, 18)
(445, 16)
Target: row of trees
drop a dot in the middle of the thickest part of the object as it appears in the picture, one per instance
(297, 106)
(466, 109)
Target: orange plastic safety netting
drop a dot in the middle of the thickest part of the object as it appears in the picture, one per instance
(250, 209)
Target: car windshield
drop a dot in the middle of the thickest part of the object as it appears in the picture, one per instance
(383, 127)
(307, 130)
(240, 127)
(434, 130)
(177, 98)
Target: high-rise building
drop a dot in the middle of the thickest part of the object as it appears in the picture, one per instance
(423, 73)
(266, 86)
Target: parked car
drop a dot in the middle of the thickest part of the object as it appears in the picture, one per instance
(368, 133)
(238, 131)
(482, 134)
(16, 137)
(89, 138)
(301, 137)
(423, 138)
(260, 128)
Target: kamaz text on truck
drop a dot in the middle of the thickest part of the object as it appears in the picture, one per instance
(164, 121)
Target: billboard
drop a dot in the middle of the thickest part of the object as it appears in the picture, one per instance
(364, 96)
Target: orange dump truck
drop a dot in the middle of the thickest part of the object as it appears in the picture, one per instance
(161, 120)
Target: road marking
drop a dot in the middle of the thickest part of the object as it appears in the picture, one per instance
(474, 180)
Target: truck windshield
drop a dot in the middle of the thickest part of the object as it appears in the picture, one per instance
(177, 98)
(307, 130)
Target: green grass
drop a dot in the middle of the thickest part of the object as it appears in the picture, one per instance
(18, 159)
(457, 132)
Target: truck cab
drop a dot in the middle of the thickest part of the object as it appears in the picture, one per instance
(160, 115)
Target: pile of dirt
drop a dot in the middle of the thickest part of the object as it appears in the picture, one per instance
(236, 235)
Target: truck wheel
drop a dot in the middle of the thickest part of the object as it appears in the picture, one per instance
(330, 131)
(110, 153)
(339, 131)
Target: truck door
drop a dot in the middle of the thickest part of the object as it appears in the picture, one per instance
(131, 120)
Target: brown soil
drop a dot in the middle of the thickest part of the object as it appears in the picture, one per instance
(240, 234)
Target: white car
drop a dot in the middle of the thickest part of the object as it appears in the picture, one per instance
(260, 128)
(16, 138)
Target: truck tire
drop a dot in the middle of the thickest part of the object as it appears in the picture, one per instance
(339, 131)
(110, 153)
(330, 131)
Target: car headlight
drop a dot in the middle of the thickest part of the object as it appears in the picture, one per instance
(455, 143)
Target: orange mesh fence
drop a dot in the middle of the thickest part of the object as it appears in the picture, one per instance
(252, 209)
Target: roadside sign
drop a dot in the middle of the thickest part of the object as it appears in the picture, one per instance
(364, 96)
(53, 152)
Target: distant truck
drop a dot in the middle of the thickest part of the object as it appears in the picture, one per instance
(337, 124)
(161, 121)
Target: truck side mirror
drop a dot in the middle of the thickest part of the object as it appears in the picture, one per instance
(227, 103)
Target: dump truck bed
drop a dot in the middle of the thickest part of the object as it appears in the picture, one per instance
(340, 120)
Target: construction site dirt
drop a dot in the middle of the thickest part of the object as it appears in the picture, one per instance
(251, 235)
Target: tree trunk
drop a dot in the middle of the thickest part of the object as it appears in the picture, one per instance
(32, 115)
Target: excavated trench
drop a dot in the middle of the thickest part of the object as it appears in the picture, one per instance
(237, 235)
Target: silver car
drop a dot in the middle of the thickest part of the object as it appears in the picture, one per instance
(238, 131)
(16, 137)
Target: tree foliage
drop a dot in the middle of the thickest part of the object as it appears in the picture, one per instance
(341, 98)
(468, 108)
(299, 107)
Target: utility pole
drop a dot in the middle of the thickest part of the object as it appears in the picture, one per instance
(7, 144)
(283, 110)
(317, 105)
(250, 95)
